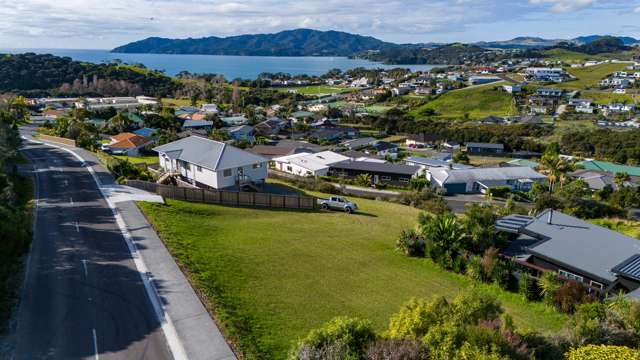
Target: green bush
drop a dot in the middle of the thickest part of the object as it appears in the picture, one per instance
(499, 191)
(405, 349)
(416, 317)
(603, 352)
(411, 243)
(347, 336)
(528, 287)
(570, 295)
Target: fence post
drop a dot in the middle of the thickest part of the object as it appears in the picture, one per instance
(238, 198)
(184, 193)
(298, 201)
(202, 193)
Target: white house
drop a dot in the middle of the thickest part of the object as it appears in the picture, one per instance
(210, 108)
(479, 180)
(212, 164)
(307, 164)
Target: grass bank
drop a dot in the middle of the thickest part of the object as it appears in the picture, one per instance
(273, 275)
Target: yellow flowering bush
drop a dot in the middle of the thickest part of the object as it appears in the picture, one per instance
(603, 352)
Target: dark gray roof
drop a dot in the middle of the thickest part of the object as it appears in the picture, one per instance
(629, 268)
(197, 123)
(210, 154)
(577, 244)
(358, 143)
(485, 145)
(377, 167)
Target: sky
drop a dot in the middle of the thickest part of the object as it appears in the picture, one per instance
(104, 24)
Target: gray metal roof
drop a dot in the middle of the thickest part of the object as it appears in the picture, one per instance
(434, 163)
(589, 248)
(208, 153)
(629, 268)
(387, 168)
(485, 145)
(197, 123)
(446, 176)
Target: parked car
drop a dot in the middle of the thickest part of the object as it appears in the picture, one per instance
(338, 203)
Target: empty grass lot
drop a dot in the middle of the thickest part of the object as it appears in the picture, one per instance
(589, 77)
(319, 90)
(478, 102)
(273, 275)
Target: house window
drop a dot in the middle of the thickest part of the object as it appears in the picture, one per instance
(404, 180)
(596, 284)
(199, 168)
(289, 168)
(257, 166)
(226, 173)
(570, 276)
(385, 178)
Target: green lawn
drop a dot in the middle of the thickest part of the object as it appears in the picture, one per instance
(601, 97)
(478, 102)
(272, 275)
(568, 56)
(149, 160)
(589, 77)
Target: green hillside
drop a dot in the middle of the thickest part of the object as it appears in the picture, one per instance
(477, 102)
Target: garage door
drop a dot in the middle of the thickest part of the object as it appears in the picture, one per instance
(456, 188)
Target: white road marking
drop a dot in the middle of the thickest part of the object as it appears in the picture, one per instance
(77, 227)
(168, 328)
(84, 265)
(95, 344)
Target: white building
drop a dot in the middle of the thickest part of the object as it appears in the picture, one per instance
(307, 164)
(212, 164)
(209, 108)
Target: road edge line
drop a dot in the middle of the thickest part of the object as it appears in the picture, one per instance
(169, 330)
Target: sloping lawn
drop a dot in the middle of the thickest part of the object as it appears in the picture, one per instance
(149, 160)
(273, 275)
(478, 102)
(590, 76)
(319, 90)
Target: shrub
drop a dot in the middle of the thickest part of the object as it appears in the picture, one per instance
(345, 336)
(603, 352)
(489, 262)
(411, 243)
(416, 317)
(570, 295)
(499, 191)
(474, 306)
(474, 268)
(528, 287)
(549, 284)
(404, 349)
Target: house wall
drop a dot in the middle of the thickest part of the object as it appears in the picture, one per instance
(299, 170)
(555, 267)
(386, 178)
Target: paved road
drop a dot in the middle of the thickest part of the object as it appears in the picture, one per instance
(83, 296)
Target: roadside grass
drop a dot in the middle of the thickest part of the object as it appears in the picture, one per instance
(272, 275)
(590, 77)
(627, 227)
(477, 102)
(149, 160)
(565, 127)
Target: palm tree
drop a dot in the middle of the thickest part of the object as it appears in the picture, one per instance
(548, 283)
(121, 122)
(554, 167)
(364, 180)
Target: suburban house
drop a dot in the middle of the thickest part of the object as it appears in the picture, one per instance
(333, 134)
(610, 167)
(512, 88)
(242, 133)
(421, 140)
(385, 148)
(480, 180)
(479, 80)
(210, 108)
(235, 120)
(271, 126)
(197, 124)
(546, 74)
(607, 261)
(363, 156)
(549, 92)
(307, 164)
(126, 144)
(357, 144)
(145, 132)
(484, 148)
(273, 151)
(598, 180)
(381, 173)
(451, 145)
(212, 164)
(523, 162)
(428, 163)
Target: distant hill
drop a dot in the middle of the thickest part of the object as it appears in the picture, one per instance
(300, 42)
(604, 44)
(525, 42)
(451, 54)
(626, 40)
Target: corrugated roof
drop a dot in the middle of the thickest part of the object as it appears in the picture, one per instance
(611, 167)
(377, 167)
(210, 154)
(579, 244)
(629, 268)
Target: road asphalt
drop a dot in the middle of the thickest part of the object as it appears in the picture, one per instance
(84, 294)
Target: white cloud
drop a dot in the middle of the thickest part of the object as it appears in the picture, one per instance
(637, 10)
(564, 6)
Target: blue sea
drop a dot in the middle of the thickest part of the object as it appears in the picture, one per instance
(232, 67)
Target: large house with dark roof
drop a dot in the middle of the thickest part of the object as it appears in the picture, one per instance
(212, 164)
(381, 173)
(604, 260)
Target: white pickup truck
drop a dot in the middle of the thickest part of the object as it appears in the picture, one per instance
(338, 203)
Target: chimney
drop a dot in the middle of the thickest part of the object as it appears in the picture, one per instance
(550, 216)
